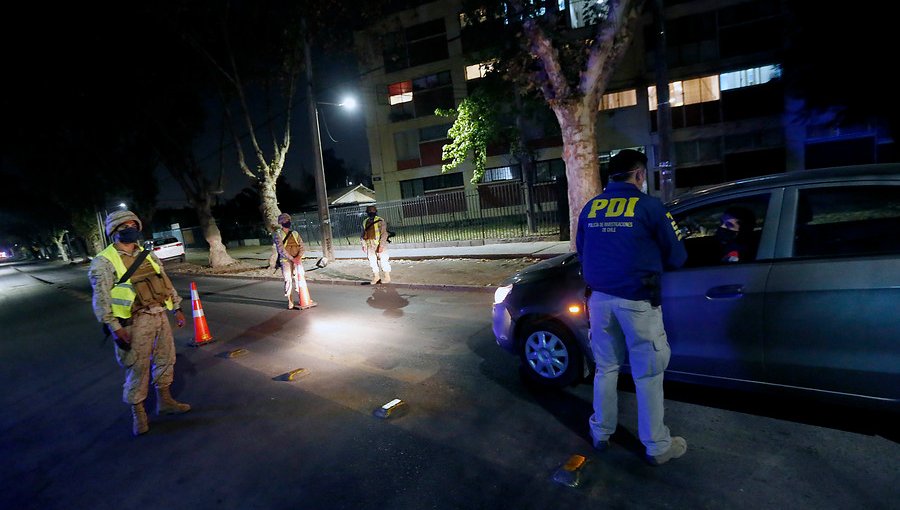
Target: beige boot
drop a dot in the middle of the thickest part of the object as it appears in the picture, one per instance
(290, 302)
(375, 279)
(165, 404)
(140, 424)
(387, 278)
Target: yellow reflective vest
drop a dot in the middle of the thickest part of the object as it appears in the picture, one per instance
(122, 294)
(375, 225)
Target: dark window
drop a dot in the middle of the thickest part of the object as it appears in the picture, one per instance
(750, 102)
(502, 173)
(750, 38)
(742, 165)
(848, 220)
(454, 180)
(432, 92)
(856, 151)
(549, 171)
(431, 133)
(420, 187)
(689, 177)
(415, 45)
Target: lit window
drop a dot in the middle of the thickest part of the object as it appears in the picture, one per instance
(618, 99)
(480, 17)
(475, 71)
(749, 77)
(697, 90)
(400, 92)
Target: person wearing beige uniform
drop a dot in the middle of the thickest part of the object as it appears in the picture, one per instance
(135, 313)
(374, 240)
(289, 247)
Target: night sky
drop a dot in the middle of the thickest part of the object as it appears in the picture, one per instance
(52, 53)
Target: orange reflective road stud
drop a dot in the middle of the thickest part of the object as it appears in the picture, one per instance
(202, 335)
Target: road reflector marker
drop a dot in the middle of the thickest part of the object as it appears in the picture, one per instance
(237, 352)
(569, 474)
(394, 407)
(293, 375)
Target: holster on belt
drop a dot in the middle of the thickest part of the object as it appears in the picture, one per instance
(654, 285)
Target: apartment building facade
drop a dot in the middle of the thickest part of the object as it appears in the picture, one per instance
(731, 114)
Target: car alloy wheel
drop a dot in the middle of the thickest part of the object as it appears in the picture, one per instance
(550, 355)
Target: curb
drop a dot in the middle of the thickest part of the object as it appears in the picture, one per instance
(349, 283)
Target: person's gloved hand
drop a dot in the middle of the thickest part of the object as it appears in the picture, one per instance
(179, 318)
(122, 339)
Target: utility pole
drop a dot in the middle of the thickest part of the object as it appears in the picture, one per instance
(663, 108)
(313, 113)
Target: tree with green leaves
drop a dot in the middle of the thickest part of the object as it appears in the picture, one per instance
(569, 68)
(476, 125)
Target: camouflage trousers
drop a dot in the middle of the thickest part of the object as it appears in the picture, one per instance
(152, 347)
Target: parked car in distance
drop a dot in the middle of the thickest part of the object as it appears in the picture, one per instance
(813, 310)
(169, 248)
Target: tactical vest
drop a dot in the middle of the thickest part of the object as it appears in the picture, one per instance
(123, 294)
(371, 228)
(290, 243)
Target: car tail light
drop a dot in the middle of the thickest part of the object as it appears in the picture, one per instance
(177, 244)
(156, 248)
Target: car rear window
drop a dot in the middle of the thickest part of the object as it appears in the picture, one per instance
(165, 240)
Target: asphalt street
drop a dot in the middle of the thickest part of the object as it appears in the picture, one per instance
(470, 435)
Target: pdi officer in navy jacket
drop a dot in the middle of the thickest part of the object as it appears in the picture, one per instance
(625, 240)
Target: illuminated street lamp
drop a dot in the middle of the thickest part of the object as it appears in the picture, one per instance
(321, 191)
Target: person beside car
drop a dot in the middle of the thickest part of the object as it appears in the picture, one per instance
(625, 239)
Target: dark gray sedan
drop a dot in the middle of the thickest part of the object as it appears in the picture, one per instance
(815, 307)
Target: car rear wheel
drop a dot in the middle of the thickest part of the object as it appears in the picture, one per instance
(550, 355)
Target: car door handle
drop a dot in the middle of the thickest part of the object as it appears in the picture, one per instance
(726, 292)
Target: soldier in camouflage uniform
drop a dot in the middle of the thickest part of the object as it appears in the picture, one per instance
(135, 313)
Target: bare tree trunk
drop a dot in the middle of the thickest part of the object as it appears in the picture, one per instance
(576, 120)
(218, 255)
(58, 241)
(92, 240)
(269, 200)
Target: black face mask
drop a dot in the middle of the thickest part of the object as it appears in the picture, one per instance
(128, 235)
(723, 235)
(371, 214)
(286, 224)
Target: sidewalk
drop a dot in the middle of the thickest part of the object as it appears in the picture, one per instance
(465, 267)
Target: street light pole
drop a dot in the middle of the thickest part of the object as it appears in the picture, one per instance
(321, 194)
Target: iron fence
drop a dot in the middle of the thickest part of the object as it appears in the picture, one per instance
(495, 211)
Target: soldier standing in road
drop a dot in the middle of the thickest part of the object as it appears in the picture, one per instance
(625, 240)
(290, 249)
(135, 313)
(374, 240)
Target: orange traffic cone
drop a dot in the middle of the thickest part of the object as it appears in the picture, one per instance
(305, 300)
(202, 335)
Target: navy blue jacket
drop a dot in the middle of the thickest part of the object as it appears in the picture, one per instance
(623, 236)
